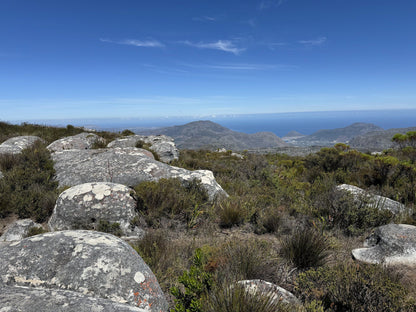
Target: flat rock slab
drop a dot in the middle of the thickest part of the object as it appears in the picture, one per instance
(91, 263)
(18, 230)
(162, 145)
(375, 201)
(276, 292)
(30, 299)
(389, 244)
(80, 141)
(83, 206)
(128, 166)
(17, 144)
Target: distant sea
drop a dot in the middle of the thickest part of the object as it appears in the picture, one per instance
(278, 123)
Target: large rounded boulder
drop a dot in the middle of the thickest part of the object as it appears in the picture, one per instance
(18, 230)
(80, 141)
(84, 206)
(17, 144)
(93, 264)
(389, 244)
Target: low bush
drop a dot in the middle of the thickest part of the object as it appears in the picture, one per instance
(305, 248)
(231, 213)
(173, 199)
(35, 231)
(28, 187)
(354, 287)
(109, 227)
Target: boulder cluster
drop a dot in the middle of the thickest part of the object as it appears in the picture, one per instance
(74, 269)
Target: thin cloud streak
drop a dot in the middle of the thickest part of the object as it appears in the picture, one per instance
(267, 4)
(204, 19)
(222, 45)
(315, 42)
(136, 43)
(242, 66)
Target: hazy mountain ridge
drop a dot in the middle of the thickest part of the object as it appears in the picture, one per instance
(210, 135)
(329, 137)
(378, 140)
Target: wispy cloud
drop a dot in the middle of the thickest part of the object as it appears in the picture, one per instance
(136, 43)
(314, 42)
(242, 66)
(222, 45)
(267, 4)
(205, 19)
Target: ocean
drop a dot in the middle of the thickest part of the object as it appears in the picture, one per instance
(278, 123)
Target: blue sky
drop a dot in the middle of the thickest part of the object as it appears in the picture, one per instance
(133, 58)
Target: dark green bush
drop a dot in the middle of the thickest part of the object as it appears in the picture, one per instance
(353, 287)
(109, 227)
(173, 199)
(127, 132)
(35, 231)
(28, 187)
(305, 248)
(231, 213)
(196, 283)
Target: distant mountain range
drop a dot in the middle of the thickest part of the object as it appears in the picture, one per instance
(210, 135)
(329, 137)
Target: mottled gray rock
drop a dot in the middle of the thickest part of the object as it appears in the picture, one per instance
(17, 144)
(390, 244)
(18, 230)
(128, 166)
(84, 205)
(94, 264)
(30, 299)
(80, 141)
(1, 175)
(277, 293)
(162, 145)
(376, 201)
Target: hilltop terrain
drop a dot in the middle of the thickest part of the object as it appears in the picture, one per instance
(330, 231)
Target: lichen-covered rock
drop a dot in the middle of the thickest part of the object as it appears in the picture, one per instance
(17, 144)
(277, 293)
(128, 166)
(80, 141)
(1, 175)
(162, 145)
(91, 263)
(389, 244)
(30, 299)
(375, 201)
(85, 205)
(18, 230)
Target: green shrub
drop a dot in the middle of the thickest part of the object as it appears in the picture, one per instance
(127, 132)
(152, 247)
(28, 187)
(147, 146)
(305, 248)
(109, 227)
(196, 283)
(267, 222)
(353, 287)
(231, 213)
(173, 199)
(35, 231)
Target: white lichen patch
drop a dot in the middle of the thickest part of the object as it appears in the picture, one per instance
(77, 190)
(32, 282)
(101, 190)
(150, 168)
(139, 277)
(87, 198)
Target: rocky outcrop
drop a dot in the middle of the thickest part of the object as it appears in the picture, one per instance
(84, 206)
(18, 230)
(372, 200)
(17, 144)
(91, 264)
(30, 299)
(275, 292)
(162, 145)
(389, 244)
(80, 141)
(128, 166)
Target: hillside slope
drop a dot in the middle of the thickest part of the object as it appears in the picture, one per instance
(210, 135)
(329, 137)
